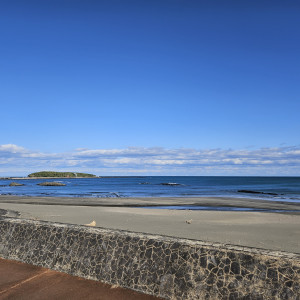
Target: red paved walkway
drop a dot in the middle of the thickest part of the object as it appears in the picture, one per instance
(20, 281)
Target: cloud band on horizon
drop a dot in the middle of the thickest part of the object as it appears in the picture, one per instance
(285, 161)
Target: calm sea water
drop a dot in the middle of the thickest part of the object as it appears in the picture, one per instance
(283, 188)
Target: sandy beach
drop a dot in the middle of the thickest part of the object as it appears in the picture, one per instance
(266, 230)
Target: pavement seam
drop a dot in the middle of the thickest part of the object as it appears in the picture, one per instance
(24, 281)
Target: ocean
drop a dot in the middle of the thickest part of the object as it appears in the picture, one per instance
(267, 188)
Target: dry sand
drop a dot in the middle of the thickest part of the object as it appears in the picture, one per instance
(274, 231)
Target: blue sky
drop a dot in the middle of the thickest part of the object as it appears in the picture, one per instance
(177, 81)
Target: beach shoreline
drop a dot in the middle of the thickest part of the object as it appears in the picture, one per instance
(213, 202)
(272, 231)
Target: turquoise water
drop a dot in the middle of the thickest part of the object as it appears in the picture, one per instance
(270, 188)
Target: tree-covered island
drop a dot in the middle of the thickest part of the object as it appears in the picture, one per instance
(55, 174)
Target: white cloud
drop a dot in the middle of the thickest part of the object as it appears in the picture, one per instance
(11, 148)
(155, 161)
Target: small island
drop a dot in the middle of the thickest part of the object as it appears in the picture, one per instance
(54, 174)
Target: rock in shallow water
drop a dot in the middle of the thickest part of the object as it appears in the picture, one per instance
(256, 192)
(15, 184)
(51, 184)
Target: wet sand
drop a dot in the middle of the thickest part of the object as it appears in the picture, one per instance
(273, 231)
(153, 201)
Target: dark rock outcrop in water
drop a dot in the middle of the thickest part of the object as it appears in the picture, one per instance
(256, 192)
(51, 184)
(15, 184)
(114, 195)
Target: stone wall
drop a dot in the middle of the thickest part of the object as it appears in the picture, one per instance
(163, 266)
